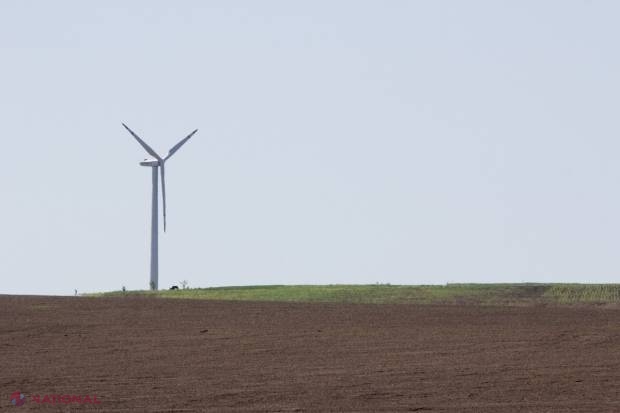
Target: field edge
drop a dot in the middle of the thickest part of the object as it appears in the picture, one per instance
(480, 294)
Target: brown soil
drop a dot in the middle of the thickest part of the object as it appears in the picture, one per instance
(148, 354)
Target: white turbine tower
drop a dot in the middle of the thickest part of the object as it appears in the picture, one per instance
(157, 163)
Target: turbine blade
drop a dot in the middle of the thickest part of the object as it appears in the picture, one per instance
(144, 145)
(178, 145)
(163, 191)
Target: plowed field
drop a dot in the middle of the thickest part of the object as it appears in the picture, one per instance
(152, 354)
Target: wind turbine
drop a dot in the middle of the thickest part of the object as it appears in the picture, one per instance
(157, 165)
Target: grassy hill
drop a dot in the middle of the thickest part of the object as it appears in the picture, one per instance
(483, 294)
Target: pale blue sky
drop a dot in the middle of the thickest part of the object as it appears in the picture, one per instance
(339, 142)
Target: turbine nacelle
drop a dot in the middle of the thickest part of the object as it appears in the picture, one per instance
(150, 162)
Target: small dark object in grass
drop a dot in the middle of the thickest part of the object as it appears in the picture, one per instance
(174, 287)
(204, 331)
